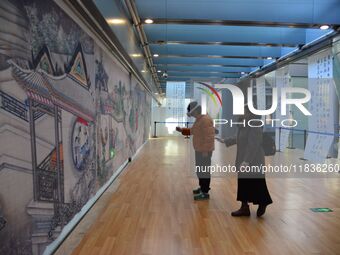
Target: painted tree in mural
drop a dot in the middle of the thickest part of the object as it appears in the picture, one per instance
(119, 111)
(50, 28)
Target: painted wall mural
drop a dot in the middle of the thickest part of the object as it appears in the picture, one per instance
(70, 116)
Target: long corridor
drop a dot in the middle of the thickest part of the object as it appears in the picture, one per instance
(153, 211)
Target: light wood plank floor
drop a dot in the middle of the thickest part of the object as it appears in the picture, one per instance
(153, 212)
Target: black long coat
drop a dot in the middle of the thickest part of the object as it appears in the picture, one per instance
(252, 187)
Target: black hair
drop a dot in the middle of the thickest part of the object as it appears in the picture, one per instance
(192, 105)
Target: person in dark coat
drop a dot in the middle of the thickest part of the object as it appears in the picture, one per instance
(251, 186)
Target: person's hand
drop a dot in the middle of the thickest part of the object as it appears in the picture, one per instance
(179, 129)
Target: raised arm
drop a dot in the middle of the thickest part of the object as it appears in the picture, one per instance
(184, 131)
(229, 141)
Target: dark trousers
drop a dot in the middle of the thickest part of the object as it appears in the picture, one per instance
(202, 171)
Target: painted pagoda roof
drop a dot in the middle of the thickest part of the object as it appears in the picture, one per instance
(32, 80)
(63, 91)
(66, 90)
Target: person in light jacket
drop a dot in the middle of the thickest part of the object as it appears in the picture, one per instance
(251, 187)
(203, 133)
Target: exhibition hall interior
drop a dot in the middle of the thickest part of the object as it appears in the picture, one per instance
(173, 127)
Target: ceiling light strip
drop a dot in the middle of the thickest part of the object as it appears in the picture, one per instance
(239, 23)
(226, 43)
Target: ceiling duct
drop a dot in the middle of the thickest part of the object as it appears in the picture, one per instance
(87, 11)
(130, 4)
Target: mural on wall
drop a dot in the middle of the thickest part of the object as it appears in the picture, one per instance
(122, 104)
(69, 118)
(110, 113)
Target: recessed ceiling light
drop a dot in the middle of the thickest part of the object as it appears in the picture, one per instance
(324, 27)
(136, 55)
(116, 21)
(269, 58)
(156, 55)
(148, 21)
(143, 71)
(156, 93)
(159, 71)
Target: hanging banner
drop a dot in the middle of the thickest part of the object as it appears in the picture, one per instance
(282, 81)
(322, 106)
(175, 105)
(336, 66)
(261, 94)
(336, 76)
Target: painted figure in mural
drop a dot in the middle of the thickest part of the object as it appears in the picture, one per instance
(132, 118)
(101, 76)
(81, 144)
(2, 219)
(2, 222)
(85, 148)
(112, 142)
(104, 137)
(136, 105)
(120, 93)
(203, 133)
(76, 148)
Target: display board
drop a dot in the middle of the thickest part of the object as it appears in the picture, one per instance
(336, 64)
(282, 81)
(70, 117)
(336, 74)
(322, 106)
(175, 105)
(261, 94)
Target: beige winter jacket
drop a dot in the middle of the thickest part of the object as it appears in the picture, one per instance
(203, 133)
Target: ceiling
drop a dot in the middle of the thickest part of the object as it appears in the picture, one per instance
(218, 39)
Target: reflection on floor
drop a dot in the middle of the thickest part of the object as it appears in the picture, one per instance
(153, 211)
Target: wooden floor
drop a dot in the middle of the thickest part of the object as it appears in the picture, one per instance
(153, 212)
